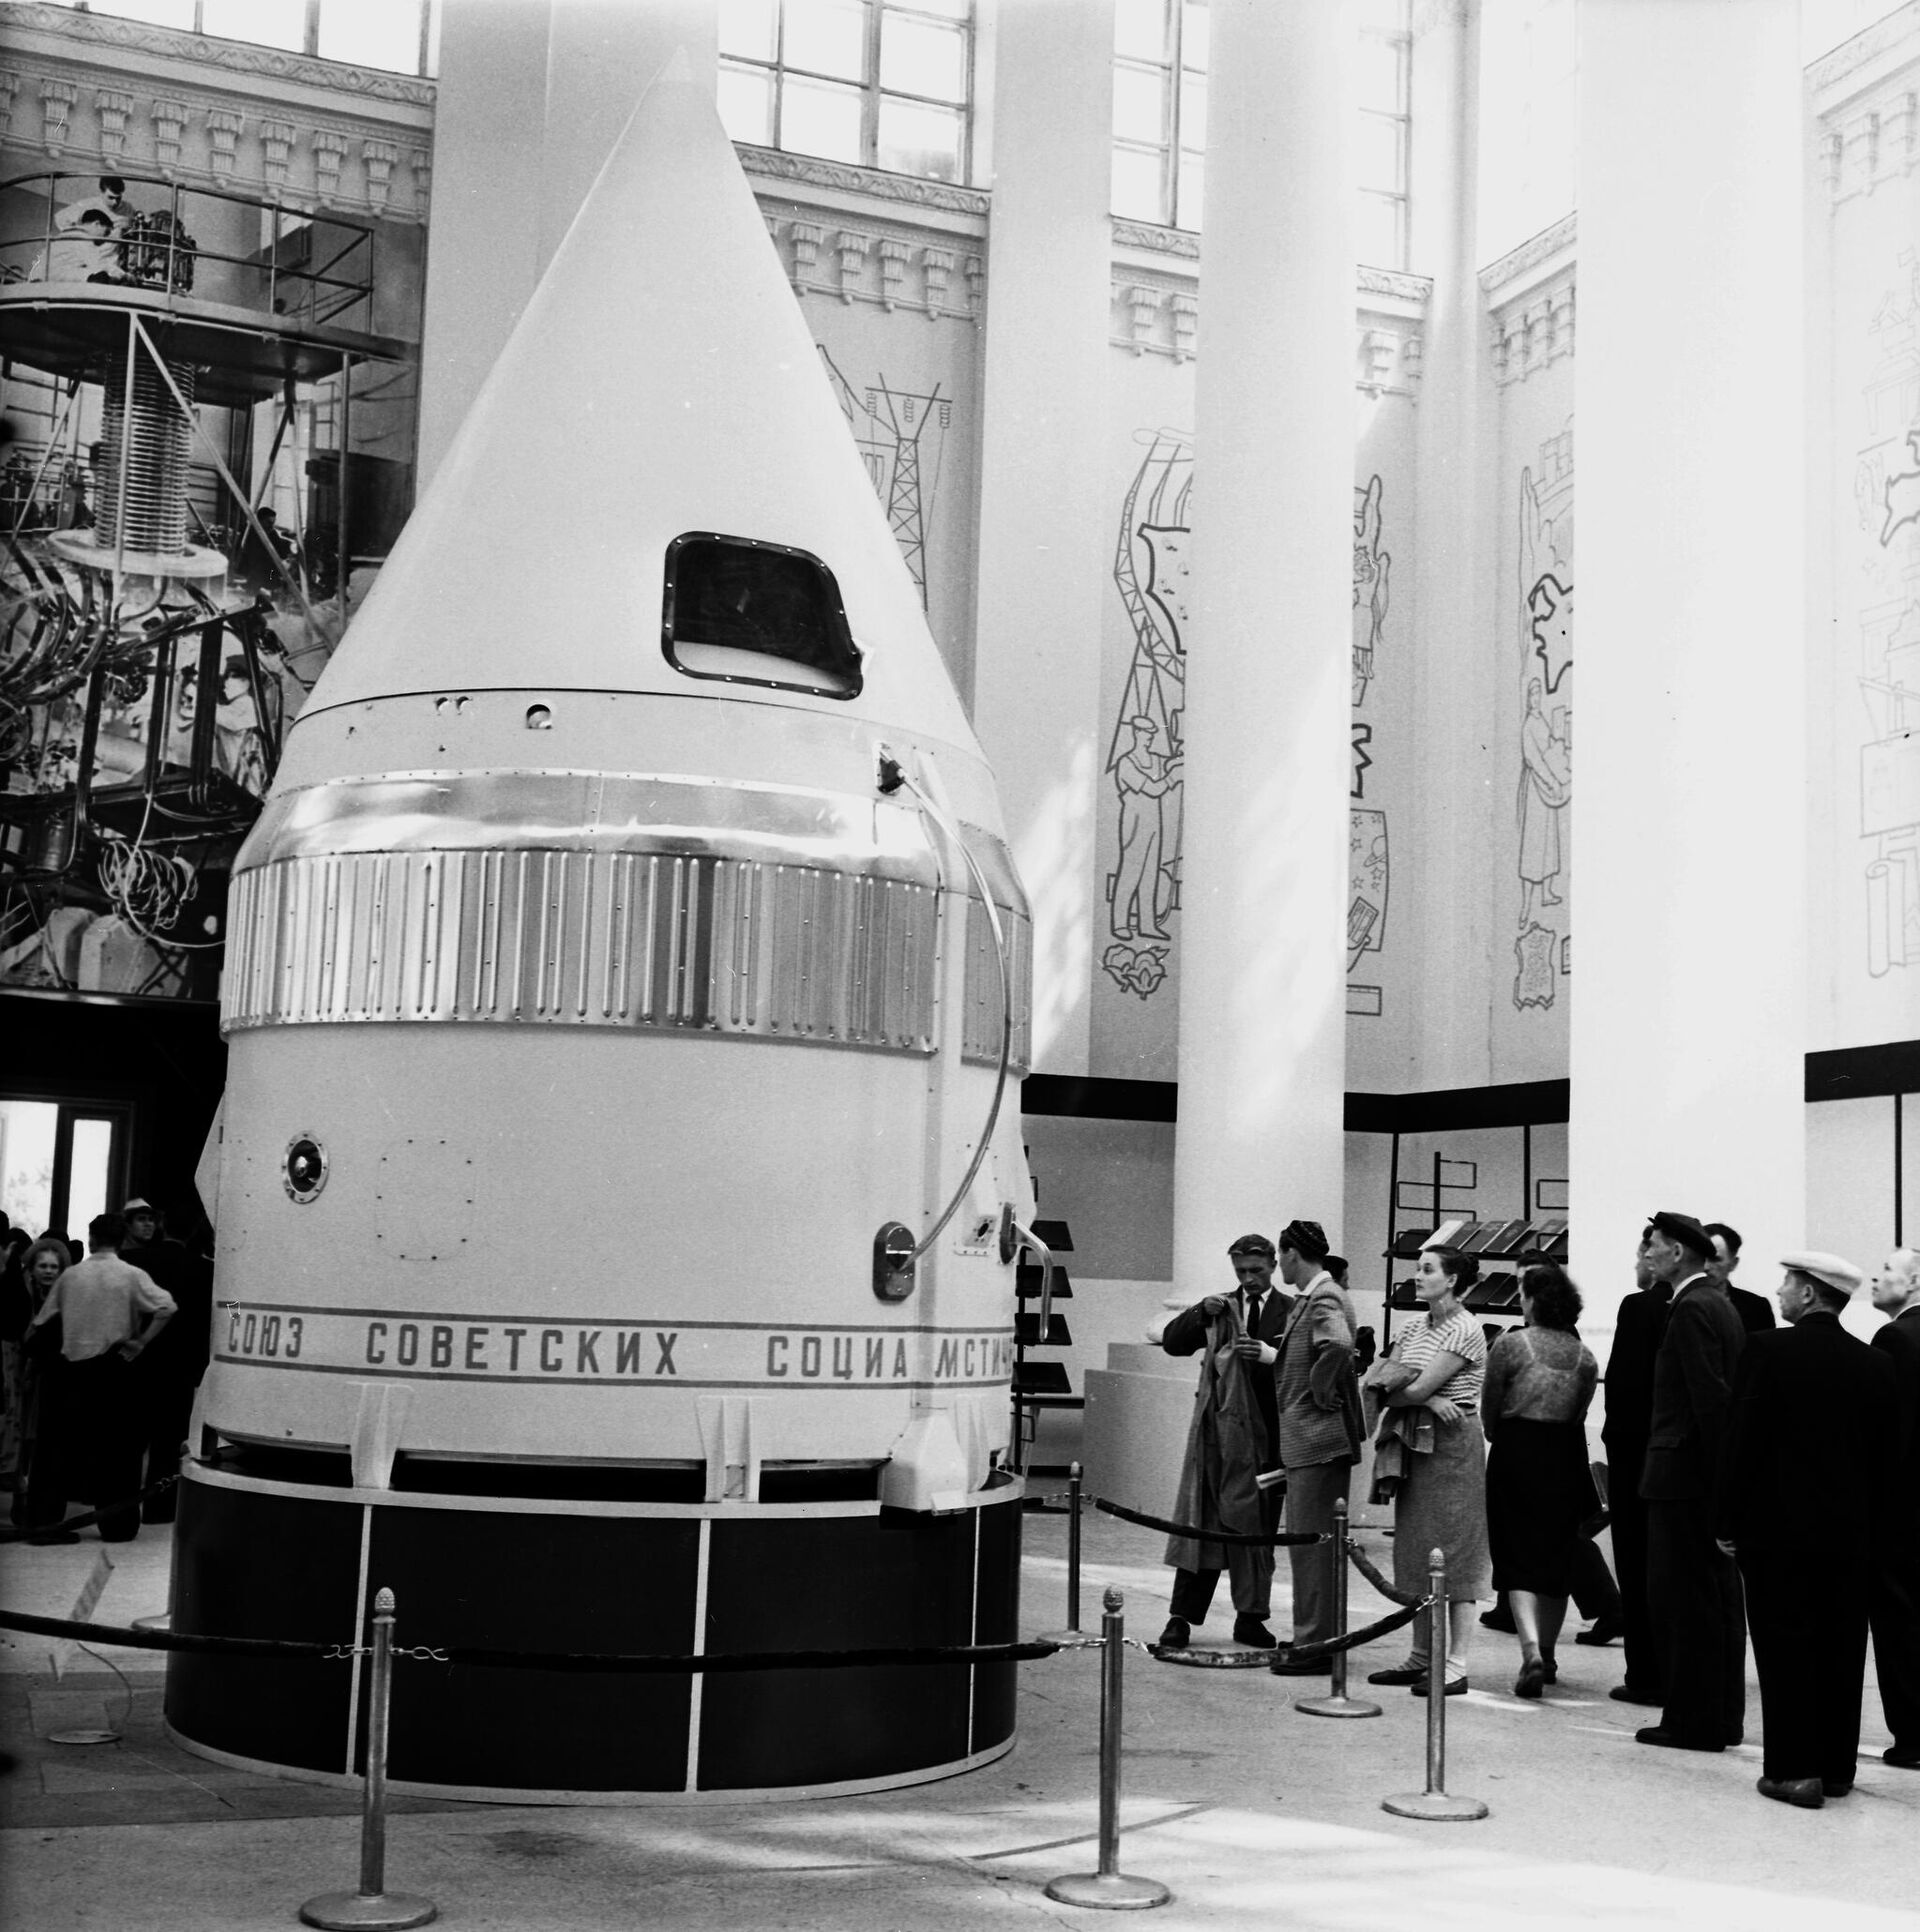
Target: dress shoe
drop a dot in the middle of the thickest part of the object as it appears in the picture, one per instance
(1399, 1674)
(1625, 1694)
(1658, 1734)
(1551, 1668)
(1301, 1666)
(1455, 1687)
(1836, 1787)
(1253, 1633)
(1804, 1792)
(1899, 1759)
(1498, 1618)
(1175, 1636)
(1532, 1679)
(1603, 1630)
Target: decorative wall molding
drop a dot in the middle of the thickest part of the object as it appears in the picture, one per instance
(840, 177)
(1535, 260)
(1875, 142)
(1862, 59)
(894, 271)
(1156, 240)
(1526, 337)
(110, 41)
(91, 89)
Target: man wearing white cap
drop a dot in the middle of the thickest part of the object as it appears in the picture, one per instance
(1805, 1482)
(1895, 1606)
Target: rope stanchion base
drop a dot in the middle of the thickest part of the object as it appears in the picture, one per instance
(1203, 1658)
(1336, 1707)
(1108, 1891)
(1434, 1806)
(368, 1912)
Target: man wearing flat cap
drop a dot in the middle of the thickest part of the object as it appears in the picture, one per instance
(1321, 1426)
(1231, 1446)
(1805, 1481)
(1693, 1586)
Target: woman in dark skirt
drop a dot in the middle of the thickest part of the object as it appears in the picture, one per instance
(1540, 1380)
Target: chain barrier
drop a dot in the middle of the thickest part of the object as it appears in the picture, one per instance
(1282, 1539)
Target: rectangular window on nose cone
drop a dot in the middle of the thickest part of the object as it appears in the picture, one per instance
(756, 613)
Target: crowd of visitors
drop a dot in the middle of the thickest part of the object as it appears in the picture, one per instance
(1754, 1481)
(99, 1359)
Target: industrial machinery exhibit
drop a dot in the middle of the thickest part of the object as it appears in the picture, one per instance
(619, 1184)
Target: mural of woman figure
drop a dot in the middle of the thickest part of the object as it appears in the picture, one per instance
(1546, 783)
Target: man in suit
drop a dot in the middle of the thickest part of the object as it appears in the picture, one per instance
(1755, 1311)
(1893, 1602)
(1232, 1444)
(1693, 1586)
(1638, 1329)
(1321, 1427)
(1809, 1456)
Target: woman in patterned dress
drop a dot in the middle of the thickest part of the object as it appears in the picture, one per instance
(1439, 1502)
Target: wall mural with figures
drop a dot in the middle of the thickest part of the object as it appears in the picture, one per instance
(1886, 489)
(1544, 781)
(1152, 572)
(1367, 863)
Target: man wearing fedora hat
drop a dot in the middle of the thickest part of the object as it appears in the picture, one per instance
(1693, 1587)
(1803, 1497)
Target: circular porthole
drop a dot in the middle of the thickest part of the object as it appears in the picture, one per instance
(305, 1172)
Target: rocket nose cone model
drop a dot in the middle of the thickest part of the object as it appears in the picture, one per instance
(661, 381)
(620, 1170)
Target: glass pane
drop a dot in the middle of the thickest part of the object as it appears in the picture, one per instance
(1137, 184)
(921, 57)
(926, 141)
(1139, 110)
(1378, 79)
(1140, 29)
(827, 37)
(1377, 153)
(949, 9)
(27, 1130)
(1391, 16)
(159, 13)
(1193, 35)
(91, 1175)
(1192, 188)
(372, 33)
(816, 118)
(1193, 111)
(1378, 242)
(267, 23)
(745, 96)
(750, 28)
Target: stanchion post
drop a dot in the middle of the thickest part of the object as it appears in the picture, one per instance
(1109, 1889)
(1072, 1632)
(1433, 1803)
(1073, 1546)
(373, 1908)
(1337, 1703)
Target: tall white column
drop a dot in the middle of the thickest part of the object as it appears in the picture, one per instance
(1045, 501)
(1688, 1017)
(483, 256)
(1264, 873)
(602, 57)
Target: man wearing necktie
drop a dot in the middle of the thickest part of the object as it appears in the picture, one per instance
(1232, 1442)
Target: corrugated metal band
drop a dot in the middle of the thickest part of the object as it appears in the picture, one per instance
(609, 920)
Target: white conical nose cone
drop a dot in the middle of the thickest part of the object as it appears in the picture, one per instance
(661, 381)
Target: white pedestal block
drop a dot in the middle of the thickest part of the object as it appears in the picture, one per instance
(1138, 1411)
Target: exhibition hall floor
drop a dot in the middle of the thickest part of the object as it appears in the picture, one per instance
(1255, 1814)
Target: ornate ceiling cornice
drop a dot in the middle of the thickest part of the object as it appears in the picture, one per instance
(1887, 39)
(1534, 261)
(903, 192)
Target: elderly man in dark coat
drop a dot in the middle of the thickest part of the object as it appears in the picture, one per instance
(1804, 1481)
(1232, 1443)
(1693, 1587)
(1894, 1607)
(1638, 1330)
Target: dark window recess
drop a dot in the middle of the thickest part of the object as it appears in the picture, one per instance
(756, 613)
